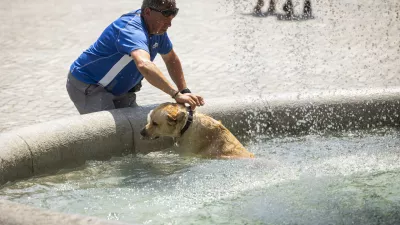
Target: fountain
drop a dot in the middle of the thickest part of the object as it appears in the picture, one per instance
(63, 144)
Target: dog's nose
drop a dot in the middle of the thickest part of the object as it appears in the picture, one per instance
(143, 132)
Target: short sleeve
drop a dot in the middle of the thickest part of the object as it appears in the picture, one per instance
(166, 45)
(130, 38)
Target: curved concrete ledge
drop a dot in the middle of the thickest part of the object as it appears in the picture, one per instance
(69, 142)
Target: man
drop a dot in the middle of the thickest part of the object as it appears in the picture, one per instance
(107, 75)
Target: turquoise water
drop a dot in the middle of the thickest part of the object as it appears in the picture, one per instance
(346, 178)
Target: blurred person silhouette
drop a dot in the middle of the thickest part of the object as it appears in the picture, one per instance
(107, 74)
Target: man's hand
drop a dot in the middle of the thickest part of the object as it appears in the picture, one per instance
(191, 99)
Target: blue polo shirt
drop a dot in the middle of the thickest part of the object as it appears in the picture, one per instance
(108, 63)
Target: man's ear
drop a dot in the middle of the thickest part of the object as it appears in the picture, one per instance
(146, 11)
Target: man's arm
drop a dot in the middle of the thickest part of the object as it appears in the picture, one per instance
(151, 72)
(174, 67)
(155, 77)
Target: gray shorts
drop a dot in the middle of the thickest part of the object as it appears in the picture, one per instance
(90, 98)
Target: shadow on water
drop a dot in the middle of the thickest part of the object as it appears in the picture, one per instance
(138, 171)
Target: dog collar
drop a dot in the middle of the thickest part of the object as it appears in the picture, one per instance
(188, 122)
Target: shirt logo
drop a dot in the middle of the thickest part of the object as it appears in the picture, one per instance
(155, 45)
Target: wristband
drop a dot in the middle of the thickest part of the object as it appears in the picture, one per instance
(185, 90)
(174, 96)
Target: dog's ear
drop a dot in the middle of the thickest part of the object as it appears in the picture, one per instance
(181, 116)
(171, 120)
(174, 119)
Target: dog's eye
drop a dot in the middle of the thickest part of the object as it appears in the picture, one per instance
(154, 124)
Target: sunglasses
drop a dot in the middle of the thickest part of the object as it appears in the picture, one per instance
(167, 12)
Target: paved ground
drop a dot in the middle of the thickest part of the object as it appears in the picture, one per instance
(224, 50)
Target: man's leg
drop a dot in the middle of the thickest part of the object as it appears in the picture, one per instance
(257, 9)
(89, 98)
(271, 8)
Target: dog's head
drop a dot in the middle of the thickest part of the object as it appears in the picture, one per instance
(166, 120)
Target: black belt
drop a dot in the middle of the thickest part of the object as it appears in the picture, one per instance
(137, 87)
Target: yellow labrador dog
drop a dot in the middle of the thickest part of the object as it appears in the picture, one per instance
(194, 133)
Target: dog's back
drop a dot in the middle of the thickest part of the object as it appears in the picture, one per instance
(209, 138)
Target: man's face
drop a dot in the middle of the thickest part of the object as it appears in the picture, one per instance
(160, 19)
